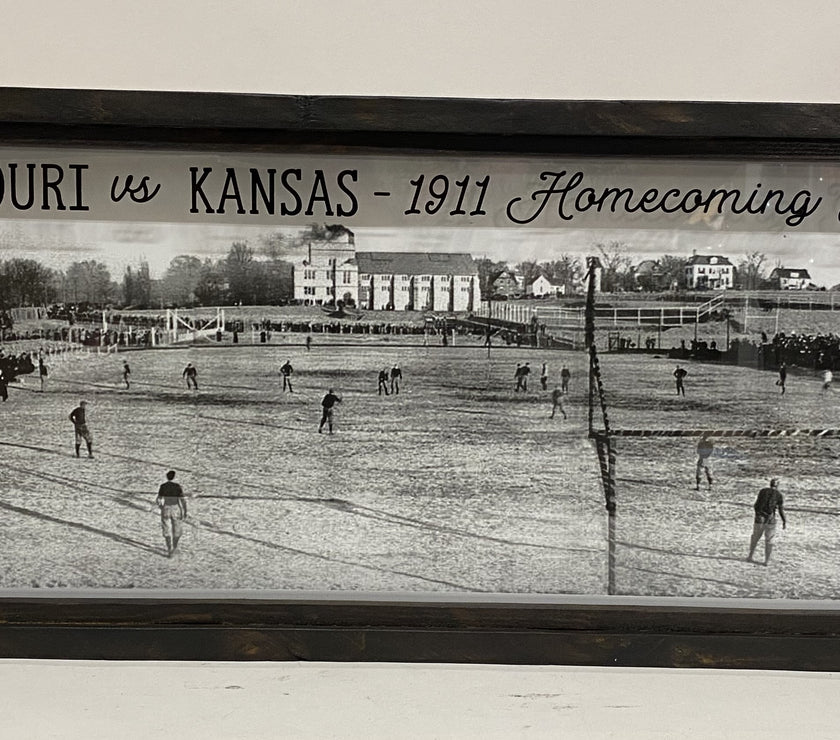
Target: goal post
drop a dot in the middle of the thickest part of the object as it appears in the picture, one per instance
(180, 329)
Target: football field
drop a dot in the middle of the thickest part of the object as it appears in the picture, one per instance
(675, 541)
(457, 484)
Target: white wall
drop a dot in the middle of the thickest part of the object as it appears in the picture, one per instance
(632, 49)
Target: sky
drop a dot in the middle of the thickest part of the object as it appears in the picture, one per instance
(58, 243)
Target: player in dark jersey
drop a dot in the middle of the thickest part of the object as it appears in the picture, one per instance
(705, 447)
(782, 378)
(286, 371)
(565, 376)
(521, 377)
(679, 376)
(173, 511)
(126, 375)
(42, 373)
(191, 374)
(79, 419)
(526, 371)
(768, 502)
(327, 403)
(383, 382)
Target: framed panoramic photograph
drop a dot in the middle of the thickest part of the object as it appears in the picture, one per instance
(419, 380)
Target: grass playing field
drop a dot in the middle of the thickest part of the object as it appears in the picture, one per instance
(675, 541)
(456, 484)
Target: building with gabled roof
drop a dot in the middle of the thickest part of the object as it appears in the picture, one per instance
(418, 281)
(541, 287)
(709, 272)
(647, 275)
(786, 278)
(509, 284)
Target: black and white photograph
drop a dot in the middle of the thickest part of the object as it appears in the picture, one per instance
(338, 377)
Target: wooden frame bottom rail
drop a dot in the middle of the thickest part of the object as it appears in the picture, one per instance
(578, 634)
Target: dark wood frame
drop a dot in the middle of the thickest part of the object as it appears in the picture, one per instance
(577, 632)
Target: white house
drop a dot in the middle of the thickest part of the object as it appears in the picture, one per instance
(541, 287)
(788, 279)
(327, 273)
(417, 281)
(709, 272)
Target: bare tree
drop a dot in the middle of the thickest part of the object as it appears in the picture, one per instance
(488, 273)
(530, 271)
(751, 272)
(617, 273)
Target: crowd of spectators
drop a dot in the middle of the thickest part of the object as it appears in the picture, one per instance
(12, 365)
(87, 336)
(810, 351)
(126, 328)
(699, 349)
(91, 326)
(337, 326)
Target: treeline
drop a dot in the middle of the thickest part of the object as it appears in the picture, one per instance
(621, 271)
(247, 276)
(568, 273)
(263, 276)
(188, 281)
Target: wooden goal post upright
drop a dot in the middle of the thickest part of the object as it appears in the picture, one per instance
(174, 323)
(604, 444)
